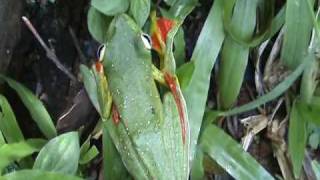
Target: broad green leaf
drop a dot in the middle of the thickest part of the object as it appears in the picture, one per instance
(204, 57)
(180, 45)
(181, 8)
(37, 110)
(98, 24)
(110, 7)
(140, 10)
(298, 26)
(184, 74)
(16, 151)
(197, 169)
(37, 175)
(8, 123)
(60, 154)
(112, 164)
(297, 139)
(230, 156)
(274, 93)
(90, 85)
(316, 168)
(309, 80)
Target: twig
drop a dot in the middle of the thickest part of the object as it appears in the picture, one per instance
(77, 46)
(50, 54)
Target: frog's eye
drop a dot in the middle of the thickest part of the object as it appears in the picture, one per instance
(146, 41)
(101, 51)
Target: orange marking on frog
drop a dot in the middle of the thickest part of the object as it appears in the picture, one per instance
(176, 95)
(115, 115)
(99, 67)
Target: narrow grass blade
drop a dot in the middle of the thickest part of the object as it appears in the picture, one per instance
(16, 151)
(204, 57)
(297, 139)
(37, 175)
(8, 123)
(298, 26)
(229, 155)
(37, 110)
(274, 93)
(60, 154)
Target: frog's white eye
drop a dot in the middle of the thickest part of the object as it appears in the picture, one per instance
(101, 51)
(146, 41)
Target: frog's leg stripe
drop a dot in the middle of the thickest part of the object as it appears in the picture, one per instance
(177, 97)
(115, 114)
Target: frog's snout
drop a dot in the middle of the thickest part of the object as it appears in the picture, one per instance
(146, 41)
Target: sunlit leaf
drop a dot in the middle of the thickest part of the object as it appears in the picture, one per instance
(60, 154)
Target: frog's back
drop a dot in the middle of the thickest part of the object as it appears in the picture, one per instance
(128, 67)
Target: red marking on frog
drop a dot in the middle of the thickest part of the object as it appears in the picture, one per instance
(115, 115)
(163, 26)
(176, 95)
(99, 67)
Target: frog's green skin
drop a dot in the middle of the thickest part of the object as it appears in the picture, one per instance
(148, 136)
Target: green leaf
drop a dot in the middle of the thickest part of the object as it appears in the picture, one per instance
(38, 175)
(16, 151)
(60, 154)
(2, 141)
(90, 85)
(184, 74)
(170, 2)
(204, 57)
(98, 24)
(310, 112)
(89, 155)
(197, 169)
(140, 10)
(113, 167)
(316, 168)
(274, 93)
(8, 123)
(234, 56)
(180, 45)
(297, 139)
(111, 7)
(297, 34)
(229, 155)
(37, 110)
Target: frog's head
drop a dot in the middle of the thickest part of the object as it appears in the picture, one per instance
(125, 37)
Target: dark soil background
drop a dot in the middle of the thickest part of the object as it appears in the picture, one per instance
(63, 26)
